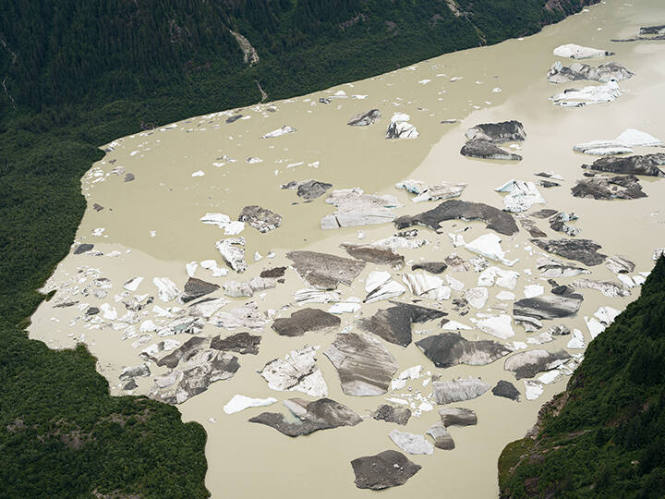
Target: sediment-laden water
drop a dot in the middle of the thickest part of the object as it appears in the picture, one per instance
(149, 226)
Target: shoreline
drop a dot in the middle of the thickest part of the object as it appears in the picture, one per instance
(449, 145)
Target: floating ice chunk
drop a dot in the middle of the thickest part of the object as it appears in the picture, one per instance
(521, 195)
(488, 245)
(496, 325)
(477, 297)
(421, 284)
(454, 283)
(442, 190)
(577, 341)
(549, 377)
(241, 402)
(133, 284)
(594, 326)
(191, 268)
(574, 51)
(540, 339)
(457, 240)
(166, 288)
(252, 160)
(233, 252)
(375, 279)
(231, 227)
(384, 291)
(108, 312)
(607, 314)
(424, 82)
(279, 132)
(355, 208)
(397, 401)
(503, 278)
(602, 148)
(595, 94)
(505, 296)
(603, 317)
(297, 371)
(517, 345)
(533, 290)
(212, 266)
(147, 326)
(198, 173)
(621, 145)
(303, 296)
(218, 219)
(455, 326)
(533, 389)
(636, 138)
(400, 128)
(411, 443)
(350, 305)
(411, 373)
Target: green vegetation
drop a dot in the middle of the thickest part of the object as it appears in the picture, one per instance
(75, 74)
(605, 435)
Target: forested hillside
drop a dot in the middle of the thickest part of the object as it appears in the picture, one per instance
(54, 53)
(605, 435)
(75, 74)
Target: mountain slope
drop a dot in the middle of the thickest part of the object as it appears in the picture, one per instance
(53, 53)
(605, 435)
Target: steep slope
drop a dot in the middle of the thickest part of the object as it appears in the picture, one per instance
(57, 52)
(605, 435)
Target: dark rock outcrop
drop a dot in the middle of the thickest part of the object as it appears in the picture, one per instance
(83, 248)
(365, 119)
(507, 390)
(364, 366)
(374, 254)
(304, 321)
(458, 390)
(451, 349)
(196, 288)
(261, 219)
(431, 267)
(602, 187)
(386, 469)
(454, 209)
(457, 416)
(308, 417)
(548, 306)
(195, 367)
(499, 133)
(324, 271)
(528, 364)
(484, 149)
(634, 165)
(392, 414)
(441, 437)
(243, 343)
(603, 73)
(309, 189)
(273, 273)
(394, 324)
(580, 250)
